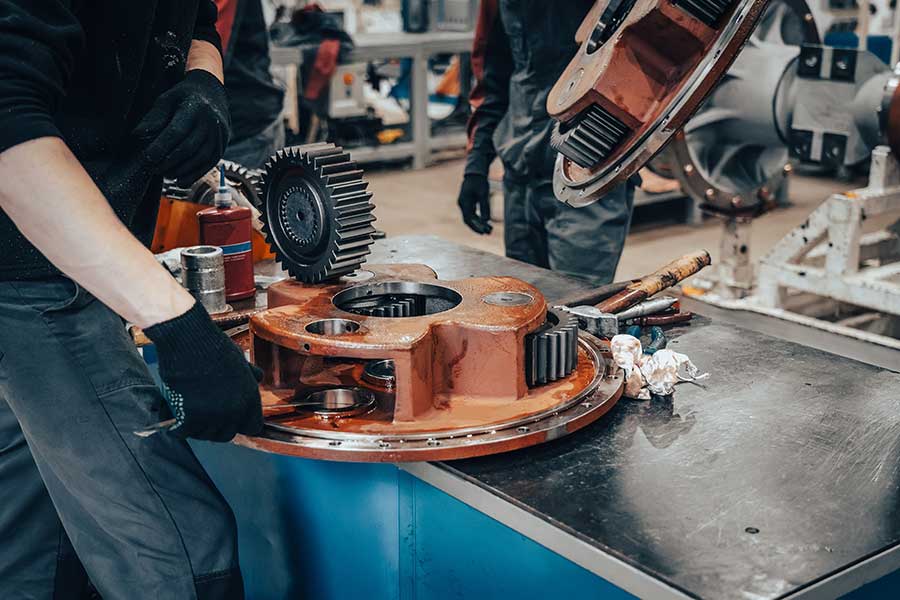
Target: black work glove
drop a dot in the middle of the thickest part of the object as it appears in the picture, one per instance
(213, 391)
(188, 128)
(475, 203)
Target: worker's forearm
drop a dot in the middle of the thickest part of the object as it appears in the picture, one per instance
(204, 55)
(56, 205)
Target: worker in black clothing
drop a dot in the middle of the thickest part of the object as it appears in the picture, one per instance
(98, 101)
(255, 101)
(521, 49)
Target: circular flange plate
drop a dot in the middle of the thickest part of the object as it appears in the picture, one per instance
(578, 405)
(617, 105)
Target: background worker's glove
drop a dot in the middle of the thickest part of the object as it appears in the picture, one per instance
(188, 128)
(213, 391)
(475, 203)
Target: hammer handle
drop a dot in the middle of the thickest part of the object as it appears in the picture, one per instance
(671, 274)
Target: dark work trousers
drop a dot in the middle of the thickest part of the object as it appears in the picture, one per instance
(80, 494)
(582, 242)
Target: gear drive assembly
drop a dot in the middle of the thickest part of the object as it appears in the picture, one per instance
(387, 363)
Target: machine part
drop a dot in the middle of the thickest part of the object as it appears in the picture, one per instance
(244, 180)
(731, 156)
(203, 275)
(443, 388)
(316, 212)
(395, 299)
(551, 352)
(380, 373)
(334, 403)
(508, 299)
(835, 121)
(641, 72)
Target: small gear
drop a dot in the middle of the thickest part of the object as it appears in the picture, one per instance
(202, 191)
(590, 137)
(387, 306)
(246, 180)
(551, 352)
(316, 211)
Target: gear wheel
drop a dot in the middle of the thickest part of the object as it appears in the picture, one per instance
(316, 212)
(590, 137)
(388, 306)
(246, 180)
(551, 352)
(202, 191)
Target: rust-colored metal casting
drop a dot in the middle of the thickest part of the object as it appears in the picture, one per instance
(443, 378)
(643, 68)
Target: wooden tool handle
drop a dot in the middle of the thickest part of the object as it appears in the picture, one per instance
(674, 272)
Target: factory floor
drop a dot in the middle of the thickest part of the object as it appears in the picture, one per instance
(424, 202)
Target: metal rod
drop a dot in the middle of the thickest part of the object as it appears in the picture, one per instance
(862, 24)
(895, 38)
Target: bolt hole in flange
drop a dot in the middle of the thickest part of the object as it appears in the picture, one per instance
(397, 299)
(333, 327)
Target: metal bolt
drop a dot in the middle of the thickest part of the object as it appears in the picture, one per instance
(383, 444)
(788, 169)
(736, 201)
(433, 442)
(523, 430)
(334, 443)
(688, 169)
(842, 65)
(811, 60)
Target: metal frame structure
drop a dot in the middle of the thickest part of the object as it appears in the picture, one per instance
(827, 256)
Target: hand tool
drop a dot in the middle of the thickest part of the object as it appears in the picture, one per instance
(605, 325)
(166, 425)
(650, 307)
(671, 274)
(664, 319)
(596, 295)
(658, 339)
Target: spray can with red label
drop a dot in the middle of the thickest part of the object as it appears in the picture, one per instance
(229, 227)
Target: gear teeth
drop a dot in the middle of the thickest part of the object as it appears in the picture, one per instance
(590, 137)
(709, 12)
(551, 352)
(338, 245)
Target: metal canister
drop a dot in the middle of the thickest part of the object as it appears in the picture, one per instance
(203, 275)
(230, 228)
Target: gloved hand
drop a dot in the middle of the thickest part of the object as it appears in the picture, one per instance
(188, 128)
(213, 390)
(475, 203)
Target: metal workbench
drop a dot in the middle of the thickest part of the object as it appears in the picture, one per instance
(419, 47)
(777, 478)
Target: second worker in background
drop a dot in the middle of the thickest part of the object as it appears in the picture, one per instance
(521, 49)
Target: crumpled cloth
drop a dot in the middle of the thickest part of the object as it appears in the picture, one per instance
(654, 374)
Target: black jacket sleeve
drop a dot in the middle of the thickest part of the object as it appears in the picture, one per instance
(38, 45)
(492, 65)
(205, 25)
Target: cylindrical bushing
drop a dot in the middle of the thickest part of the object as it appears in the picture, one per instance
(203, 275)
